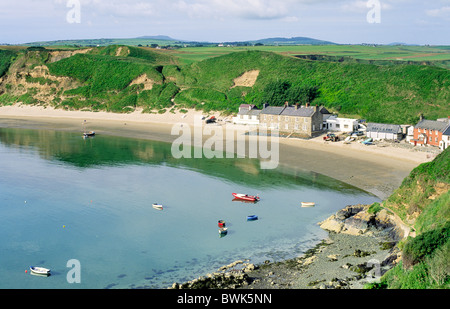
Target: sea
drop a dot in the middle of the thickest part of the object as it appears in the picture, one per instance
(83, 208)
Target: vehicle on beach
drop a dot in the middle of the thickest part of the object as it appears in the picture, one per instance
(246, 197)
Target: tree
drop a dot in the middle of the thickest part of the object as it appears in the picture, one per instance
(275, 93)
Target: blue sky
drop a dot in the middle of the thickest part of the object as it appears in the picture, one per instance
(340, 21)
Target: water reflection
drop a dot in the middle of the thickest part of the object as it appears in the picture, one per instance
(70, 148)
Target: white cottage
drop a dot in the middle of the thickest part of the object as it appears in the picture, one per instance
(248, 114)
(333, 123)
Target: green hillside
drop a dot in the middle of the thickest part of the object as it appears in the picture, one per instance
(121, 78)
(423, 201)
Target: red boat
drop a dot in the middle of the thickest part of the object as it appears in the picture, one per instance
(221, 223)
(246, 197)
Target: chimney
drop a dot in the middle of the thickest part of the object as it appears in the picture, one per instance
(265, 105)
(296, 106)
(286, 104)
(307, 104)
(316, 108)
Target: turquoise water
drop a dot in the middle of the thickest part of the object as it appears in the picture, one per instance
(63, 197)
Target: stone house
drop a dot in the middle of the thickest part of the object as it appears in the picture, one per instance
(304, 120)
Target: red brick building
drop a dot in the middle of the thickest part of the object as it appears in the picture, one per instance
(429, 132)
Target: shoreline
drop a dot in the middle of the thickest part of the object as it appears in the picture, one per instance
(377, 170)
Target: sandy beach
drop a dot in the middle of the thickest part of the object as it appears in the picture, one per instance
(378, 170)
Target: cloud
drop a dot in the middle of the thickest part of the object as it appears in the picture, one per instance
(443, 12)
(244, 9)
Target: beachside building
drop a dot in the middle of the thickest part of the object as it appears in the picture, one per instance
(445, 141)
(304, 120)
(248, 114)
(379, 131)
(334, 123)
(430, 132)
(270, 117)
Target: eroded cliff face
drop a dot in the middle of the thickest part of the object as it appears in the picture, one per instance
(28, 78)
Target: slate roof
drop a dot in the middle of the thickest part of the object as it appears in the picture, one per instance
(252, 112)
(273, 110)
(299, 112)
(432, 125)
(384, 128)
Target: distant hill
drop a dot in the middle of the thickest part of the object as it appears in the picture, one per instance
(167, 40)
(293, 41)
(157, 37)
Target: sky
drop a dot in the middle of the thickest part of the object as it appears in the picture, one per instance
(339, 21)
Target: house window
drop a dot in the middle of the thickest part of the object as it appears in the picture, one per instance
(286, 126)
(296, 126)
(304, 127)
(296, 119)
(286, 118)
(265, 117)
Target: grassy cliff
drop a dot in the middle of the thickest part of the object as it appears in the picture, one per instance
(423, 201)
(122, 78)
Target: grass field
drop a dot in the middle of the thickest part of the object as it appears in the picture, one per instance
(438, 54)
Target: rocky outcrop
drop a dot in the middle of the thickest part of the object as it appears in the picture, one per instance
(357, 220)
(231, 276)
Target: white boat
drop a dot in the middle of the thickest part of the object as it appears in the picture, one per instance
(40, 270)
(223, 230)
(308, 204)
(157, 206)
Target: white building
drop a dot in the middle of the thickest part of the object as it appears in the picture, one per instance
(445, 141)
(248, 114)
(379, 131)
(333, 123)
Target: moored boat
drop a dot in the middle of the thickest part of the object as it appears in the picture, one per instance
(157, 206)
(40, 270)
(246, 197)
(221, 223)
(223, 230)
(89, 134)
(252, 217)
(308, 204)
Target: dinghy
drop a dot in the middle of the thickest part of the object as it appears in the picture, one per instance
(252, 217)
(308, 204)
(157, 206)
(40, 270)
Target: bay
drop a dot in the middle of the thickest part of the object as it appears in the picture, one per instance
(63, 198)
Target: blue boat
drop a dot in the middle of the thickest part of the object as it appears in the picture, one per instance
(252, 217)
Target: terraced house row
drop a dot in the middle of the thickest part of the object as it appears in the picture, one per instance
(309, 121)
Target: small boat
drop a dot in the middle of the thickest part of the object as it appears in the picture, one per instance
(40, 270)
(308, 204)
(223, 230)
(246, 197)
(221, 223)
(252, 217)
(157, 206)
(89, 134)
